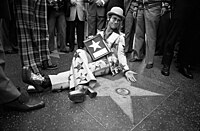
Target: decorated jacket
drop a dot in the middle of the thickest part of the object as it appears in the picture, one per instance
(117, 59)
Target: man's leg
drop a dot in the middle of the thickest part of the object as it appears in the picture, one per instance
(162, 33)
(152, 17)
(101, 22)
(129, 31)
(139, 39)
(8, 91)
(92, 25)
(80, 33)
(51, 28)
(25, 36)
(61, 27)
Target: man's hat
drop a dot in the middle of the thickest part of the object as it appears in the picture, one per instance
(116, 11)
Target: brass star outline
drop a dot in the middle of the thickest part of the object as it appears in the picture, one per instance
(109, 87)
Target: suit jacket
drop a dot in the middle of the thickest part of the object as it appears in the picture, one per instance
(127, 4)
(78, 9)
(94, 10)
(113, 3)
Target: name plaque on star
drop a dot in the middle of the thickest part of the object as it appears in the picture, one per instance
(96, 47)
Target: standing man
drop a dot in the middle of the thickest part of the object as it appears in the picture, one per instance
(186, 27)
(10, 96)
(96, 16)
(57, 12)
(33, 37)
(76, 21)
(148, 17)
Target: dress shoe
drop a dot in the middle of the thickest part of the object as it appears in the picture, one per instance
(46, 85)
(65, 50)
(30, 78)
(91, 93)
(149, 66)
(185, 71)
(165, 70)
(47, 65)
(31, 104)
(78, 95)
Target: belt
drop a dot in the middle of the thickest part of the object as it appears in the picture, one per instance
(148, 5)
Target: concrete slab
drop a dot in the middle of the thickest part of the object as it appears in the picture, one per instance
(175, 79)
(120, 105)
(60, 114)
(179, 112)
(153, 103)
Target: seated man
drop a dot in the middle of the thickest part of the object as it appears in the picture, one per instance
(81, 76)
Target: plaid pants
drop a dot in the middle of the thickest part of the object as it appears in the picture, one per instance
(32, 32)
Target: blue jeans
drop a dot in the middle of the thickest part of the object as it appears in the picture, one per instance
(56, 20)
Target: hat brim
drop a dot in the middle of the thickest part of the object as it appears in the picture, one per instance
(112, 13)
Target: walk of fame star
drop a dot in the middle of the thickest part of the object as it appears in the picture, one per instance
(95, 45)
(120, 91)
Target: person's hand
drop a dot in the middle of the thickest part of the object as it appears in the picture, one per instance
(130, 76)
(90, 1)
(99, 3)
(163, 10)
(90, 37)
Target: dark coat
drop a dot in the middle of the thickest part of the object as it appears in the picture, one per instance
(113, 3)
(4, 9)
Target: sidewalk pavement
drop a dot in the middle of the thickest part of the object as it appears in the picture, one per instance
(154, 103)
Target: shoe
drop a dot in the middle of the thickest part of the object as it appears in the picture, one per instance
(31, 104)
(135, 60)
(65, 50)
(78, 95)
(165, 70)
(149, 66)
(46, 85)
(47, 65)
(91, 93)
(185, 72)
(30, 78)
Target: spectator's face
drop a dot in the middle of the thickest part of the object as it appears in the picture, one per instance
(114, 21)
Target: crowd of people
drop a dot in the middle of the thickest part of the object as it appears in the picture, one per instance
(139, 28)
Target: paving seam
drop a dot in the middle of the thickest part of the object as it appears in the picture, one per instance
(154, 109)
(93, 117)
